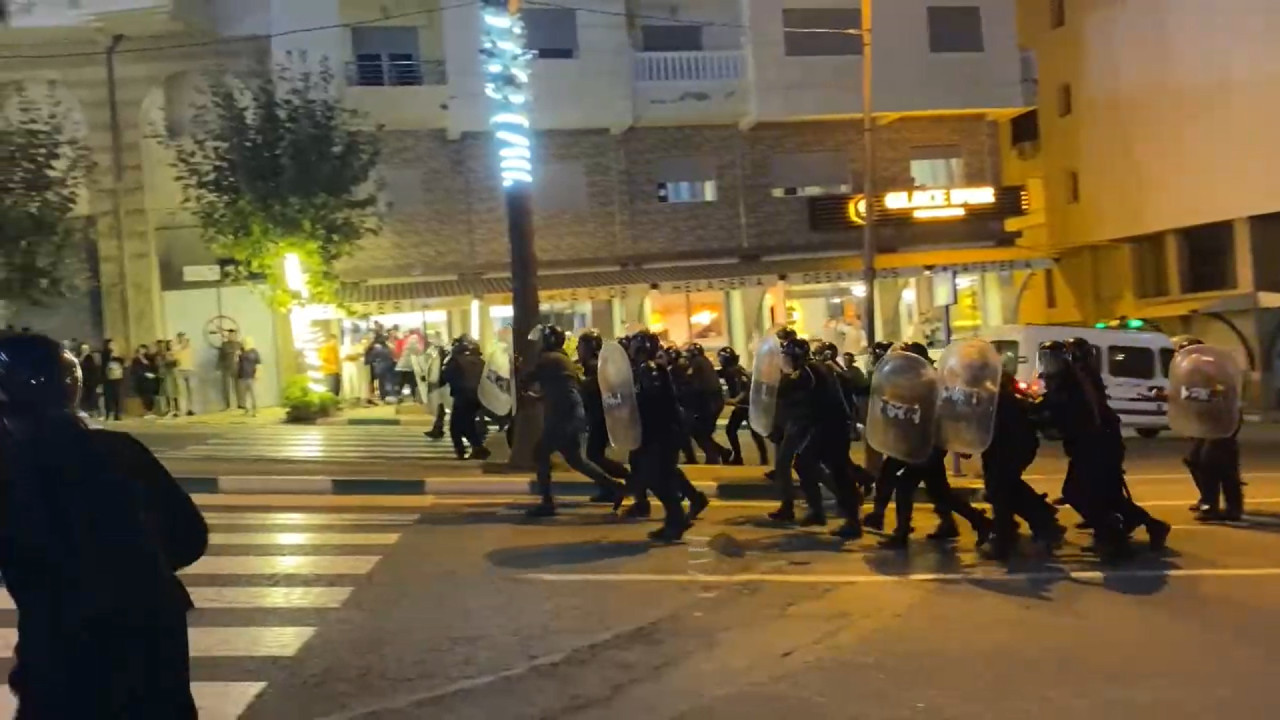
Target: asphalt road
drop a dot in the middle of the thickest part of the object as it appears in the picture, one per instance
(470, 611)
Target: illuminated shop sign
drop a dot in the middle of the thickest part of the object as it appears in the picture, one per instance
(912, 206)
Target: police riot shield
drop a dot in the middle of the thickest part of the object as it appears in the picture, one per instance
(496, 389)
(969, 379)
(766, 374)
(618, 394)
(1204, 392)
(902, 418)
(434, 393)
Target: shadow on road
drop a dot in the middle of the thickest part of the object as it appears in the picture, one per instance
(540, 557)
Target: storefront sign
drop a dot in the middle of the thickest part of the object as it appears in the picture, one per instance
(972, 268)
(924, 205)
(721, 284)
(616, 292)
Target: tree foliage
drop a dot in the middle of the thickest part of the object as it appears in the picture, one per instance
(43, 174)
(279, 167)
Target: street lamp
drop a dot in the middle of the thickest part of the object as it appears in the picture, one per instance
(507, 63)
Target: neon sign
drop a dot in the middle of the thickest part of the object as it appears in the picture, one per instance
(926, 204)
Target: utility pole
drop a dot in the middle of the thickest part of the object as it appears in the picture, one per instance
(506, 64)
(868, 183)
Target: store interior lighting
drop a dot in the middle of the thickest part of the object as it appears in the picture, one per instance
(858, 290)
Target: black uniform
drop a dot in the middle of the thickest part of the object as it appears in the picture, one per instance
(654, 464)
(678, 370)
(737, 383)
(825, 456)
(597, 431)
(1215, 468)
(705, 402)
(462, 373)
(1013, 447)
(564, 422)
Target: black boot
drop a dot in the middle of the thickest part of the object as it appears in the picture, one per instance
(545, 508)
(874, 520)
(786, 513)
(1158, 533)
(850, 530)
(669, 532)
(697, 504)
(946, 530)
(899, 540)
(814, 518)
(639, 509)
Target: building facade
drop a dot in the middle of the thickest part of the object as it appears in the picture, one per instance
(684, 152)
(1159, 200)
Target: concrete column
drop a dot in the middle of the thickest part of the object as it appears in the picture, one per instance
(755, 318)
(1172, 261)
(1243, 236)
(991, 298)
(617, 319)
(486, 336)
(737, 319)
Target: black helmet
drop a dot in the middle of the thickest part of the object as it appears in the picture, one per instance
(1053, 357)
(644, 346)
(589, 345)
(728, 357)
(917, 349)
(786, 333)
(552, 337)
(849, 359)
(460, 341)
(693, 350)
(797, 349)
(37, 375)
(826, 351)
(1084, 354)
(1182, 342)
(879, 350)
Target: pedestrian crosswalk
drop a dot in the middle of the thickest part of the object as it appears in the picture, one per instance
(331, 442)
(261, 571)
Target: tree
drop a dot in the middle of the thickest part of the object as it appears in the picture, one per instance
(281, 167)
(43, 173)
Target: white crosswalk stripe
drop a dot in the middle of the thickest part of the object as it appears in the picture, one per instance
(337, 442)
(224, 587)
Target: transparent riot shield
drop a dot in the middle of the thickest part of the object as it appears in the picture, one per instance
(618, 393)
(902, 417)
(969, 379)
(1205, 384)
(496, 388)
(766, 374)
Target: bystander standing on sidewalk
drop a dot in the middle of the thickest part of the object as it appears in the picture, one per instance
(331, 365)
(112, 380)
(248, 360)
(228, 367)
(142, 372)
(184, 370)
(91, 370)
(166, 380)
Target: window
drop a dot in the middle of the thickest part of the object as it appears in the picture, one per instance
(1166, 359)
(797, 43)
(671, 38)
(810, 173)
(385, 56)
(551, 33)
(1150, 267)
(955, 29)
(937, 166)
(1064, 99)
(1208, 258)
(1127, 361)
(561, 187)
(687, 191)
(1057, 13)
(1073, 187)
(1008, 350)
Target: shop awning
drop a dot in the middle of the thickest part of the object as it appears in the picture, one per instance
(704, 276)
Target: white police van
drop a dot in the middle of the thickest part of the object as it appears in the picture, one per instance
(1135, 364)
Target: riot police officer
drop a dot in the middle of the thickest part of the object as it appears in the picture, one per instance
(654, 464)
(589, 346)
(462, 373)
(933, 473)
(737, 382)
(673, 361)
(1013, 447)
(88, 552)
(564, 419)
(1215, 467)
(706, 402)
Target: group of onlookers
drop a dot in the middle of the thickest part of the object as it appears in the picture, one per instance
(389, 362)
(162, 376)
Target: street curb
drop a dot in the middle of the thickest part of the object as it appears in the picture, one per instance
(508, 486)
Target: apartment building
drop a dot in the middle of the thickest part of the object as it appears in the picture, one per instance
(1149, 139)
(695, 160)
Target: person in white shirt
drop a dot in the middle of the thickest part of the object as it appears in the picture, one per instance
(185, 368)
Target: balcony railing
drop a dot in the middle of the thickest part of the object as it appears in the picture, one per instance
(692, 67)
(396, 73)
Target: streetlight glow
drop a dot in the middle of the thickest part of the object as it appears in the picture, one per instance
(506, 65)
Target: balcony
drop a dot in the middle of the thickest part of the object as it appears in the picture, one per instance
(689, 87)
(688, 67)
(396, 73)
